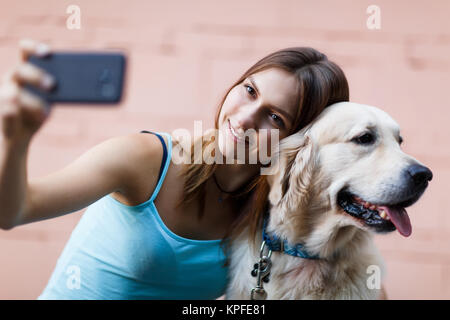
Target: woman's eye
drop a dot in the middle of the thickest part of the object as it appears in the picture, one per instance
(277, 119)
(250, 90)
(367, 138)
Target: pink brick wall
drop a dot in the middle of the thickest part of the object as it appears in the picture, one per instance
(184, 54)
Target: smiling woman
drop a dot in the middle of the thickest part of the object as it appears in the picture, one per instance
(283, 91)
(153, 228)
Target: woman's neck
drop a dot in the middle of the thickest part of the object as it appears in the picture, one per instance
(232, 177)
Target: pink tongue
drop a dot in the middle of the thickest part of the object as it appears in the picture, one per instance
(400, 219)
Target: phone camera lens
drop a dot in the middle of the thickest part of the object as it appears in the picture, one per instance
(108, 90)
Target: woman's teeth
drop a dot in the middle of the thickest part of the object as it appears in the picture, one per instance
(234, 132)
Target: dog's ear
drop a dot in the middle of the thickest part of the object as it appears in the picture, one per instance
(291, 184)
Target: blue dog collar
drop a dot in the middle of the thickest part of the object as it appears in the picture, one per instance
(274, 243)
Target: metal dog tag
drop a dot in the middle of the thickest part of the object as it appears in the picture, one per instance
(258, 294)
(262, 270)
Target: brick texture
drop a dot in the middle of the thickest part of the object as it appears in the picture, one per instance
(183, 56)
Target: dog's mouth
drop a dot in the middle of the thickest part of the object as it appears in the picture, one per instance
(381, 218)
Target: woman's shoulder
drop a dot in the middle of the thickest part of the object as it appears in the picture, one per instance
(144, 147)
(144, 154)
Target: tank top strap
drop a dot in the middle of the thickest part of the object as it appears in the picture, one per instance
(167, 153)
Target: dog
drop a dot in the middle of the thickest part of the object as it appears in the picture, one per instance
(339, 181)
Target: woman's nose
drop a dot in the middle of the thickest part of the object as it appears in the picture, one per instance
(247, 118)
(244, 123)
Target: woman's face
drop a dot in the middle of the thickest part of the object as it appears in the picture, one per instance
(264, 100)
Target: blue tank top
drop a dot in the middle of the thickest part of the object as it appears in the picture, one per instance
(121, 252)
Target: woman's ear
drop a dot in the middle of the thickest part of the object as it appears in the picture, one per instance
(290, 185)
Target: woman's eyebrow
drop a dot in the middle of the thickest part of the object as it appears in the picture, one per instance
(283, 112)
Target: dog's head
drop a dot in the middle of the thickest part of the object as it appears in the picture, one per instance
(347, 168)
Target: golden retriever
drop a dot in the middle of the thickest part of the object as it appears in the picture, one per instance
(341, 179)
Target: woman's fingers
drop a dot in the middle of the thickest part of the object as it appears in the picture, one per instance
(33, 110)
(9, 93)
(30, 47)
(27, 73)
(12, 94)
(31, 101)
(22, 113)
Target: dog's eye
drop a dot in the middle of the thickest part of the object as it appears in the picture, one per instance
(366, 138)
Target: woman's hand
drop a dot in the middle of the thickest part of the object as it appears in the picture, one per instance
(23, 113)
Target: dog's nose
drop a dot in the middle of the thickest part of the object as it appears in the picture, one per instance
(419, 174)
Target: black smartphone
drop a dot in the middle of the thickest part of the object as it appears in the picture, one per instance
(82, 77)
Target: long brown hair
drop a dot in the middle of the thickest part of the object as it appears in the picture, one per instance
(322, 83)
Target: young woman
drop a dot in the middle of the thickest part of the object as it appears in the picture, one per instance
(153, 228)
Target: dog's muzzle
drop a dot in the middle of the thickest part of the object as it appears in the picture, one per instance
(391, 215)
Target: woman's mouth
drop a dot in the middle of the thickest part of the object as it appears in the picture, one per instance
(236, 137)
